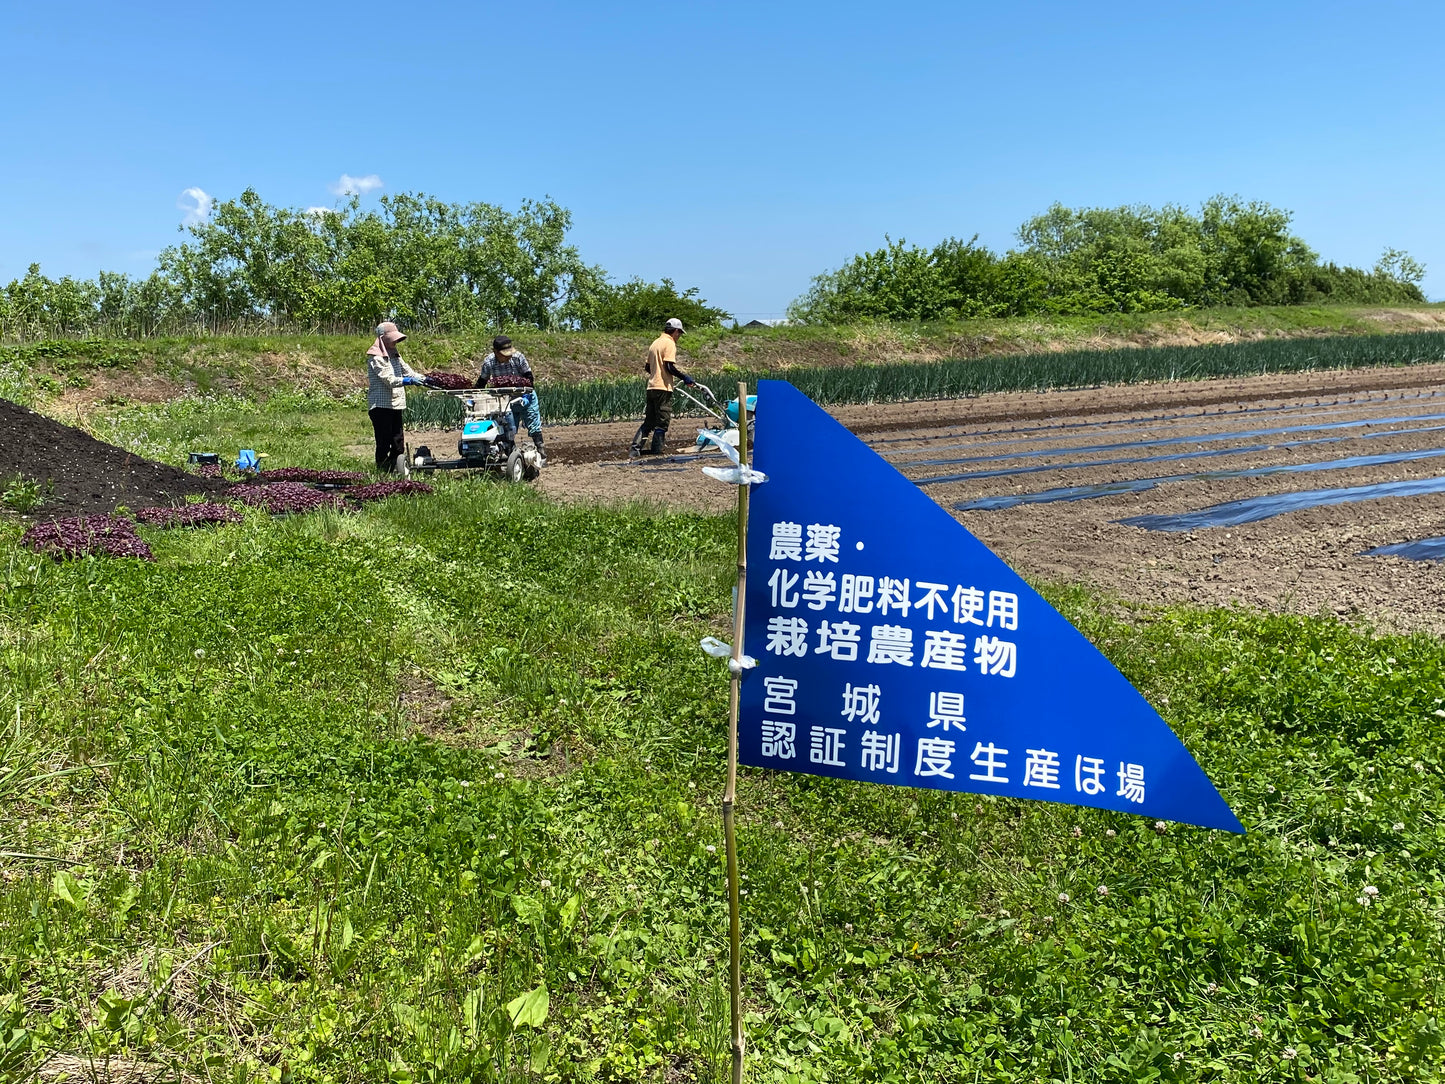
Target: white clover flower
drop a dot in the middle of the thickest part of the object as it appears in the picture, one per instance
(1178, 1056)
(1110, 834)
(1102, 890)
(199, 653)
(1371, 891)
(1077, 832)
(492, 835)
(847, 927)
(465, 783)
(1289, 1053)
(1212, 988)
(691, 786)
(1269, 788)
(1255, 1033)
(711, 849)
(1063, 897)
(500, 775)
(545, 884)
(1363, 901)
(1160, 827)
(1397, 827)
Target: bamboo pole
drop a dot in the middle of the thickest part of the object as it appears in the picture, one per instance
(735, 981)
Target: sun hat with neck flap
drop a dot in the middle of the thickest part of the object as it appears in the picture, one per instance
(387, 335)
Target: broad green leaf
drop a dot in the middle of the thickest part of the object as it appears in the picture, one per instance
(530, 1009)
(568, 911)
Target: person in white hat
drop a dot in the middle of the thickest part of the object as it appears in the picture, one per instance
(387, 379)
(661, 371)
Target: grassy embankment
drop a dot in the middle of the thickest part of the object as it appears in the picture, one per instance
(82, 374)
(321, 799)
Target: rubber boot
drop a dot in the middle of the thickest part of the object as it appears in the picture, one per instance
(541, 452)
(658, 436)
(636, 449)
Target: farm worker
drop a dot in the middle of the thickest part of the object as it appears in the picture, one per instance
(662, 370)
(387, 379)
(506, 367)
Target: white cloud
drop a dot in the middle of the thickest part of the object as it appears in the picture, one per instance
(319, 211)
(348, 185)
(196, 205)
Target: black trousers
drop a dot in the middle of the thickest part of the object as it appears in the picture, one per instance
(390, 436)
(659, 411)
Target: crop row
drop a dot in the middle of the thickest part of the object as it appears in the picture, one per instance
(959, 378)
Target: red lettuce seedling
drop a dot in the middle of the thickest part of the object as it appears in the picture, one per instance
(189, 515)
(378, 491)
(451, 381)
(307, 474)
(281, 498)
(81, 536)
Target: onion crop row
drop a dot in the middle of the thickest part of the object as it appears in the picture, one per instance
(955, 379)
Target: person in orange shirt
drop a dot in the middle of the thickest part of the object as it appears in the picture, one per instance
(661, 371)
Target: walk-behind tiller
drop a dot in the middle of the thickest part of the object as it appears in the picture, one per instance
(489, 437)
(727, 417)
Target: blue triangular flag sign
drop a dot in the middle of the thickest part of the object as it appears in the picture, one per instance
(895, 647)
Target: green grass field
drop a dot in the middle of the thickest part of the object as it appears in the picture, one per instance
(431, 793)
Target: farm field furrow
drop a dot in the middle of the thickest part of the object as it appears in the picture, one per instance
(1375, 430)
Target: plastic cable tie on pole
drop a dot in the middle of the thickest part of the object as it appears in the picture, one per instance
(737, 474)
(711, 645)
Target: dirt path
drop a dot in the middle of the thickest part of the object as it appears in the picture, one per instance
(1303, 561)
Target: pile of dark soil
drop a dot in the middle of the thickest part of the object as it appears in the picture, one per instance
(85, 474)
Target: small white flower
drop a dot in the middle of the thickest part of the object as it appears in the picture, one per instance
(847, 927)
(1178, 1056)
(1063, 897)
(1269, 788)
(465, 783)
(1110, 834)
(1255, 1033)
(1371, 890)
(492, 835)
(711, 849)
(692, 786)
(1160, 827)
(1418, 767)
(1077, 832)
(1439, 713)
(1288, 1053)
(1212, 988)
(200, 653)
(1102, 890)
(1397, 827)
(499, 775)
(1363, 901)
(545, 884)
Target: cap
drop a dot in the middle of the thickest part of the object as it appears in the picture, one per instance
(674, 324)
(502, 346)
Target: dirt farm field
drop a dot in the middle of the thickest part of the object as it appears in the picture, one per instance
(1205, 443)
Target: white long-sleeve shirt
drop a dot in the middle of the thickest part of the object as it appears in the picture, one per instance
(383, 382)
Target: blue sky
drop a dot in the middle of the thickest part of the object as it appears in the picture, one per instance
(740, 147)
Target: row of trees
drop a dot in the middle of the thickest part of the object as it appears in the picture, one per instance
(423, 262)
(451, 266)
(1105, 260)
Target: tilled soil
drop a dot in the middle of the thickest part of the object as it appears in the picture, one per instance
(80, 474)
(1304, 561)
